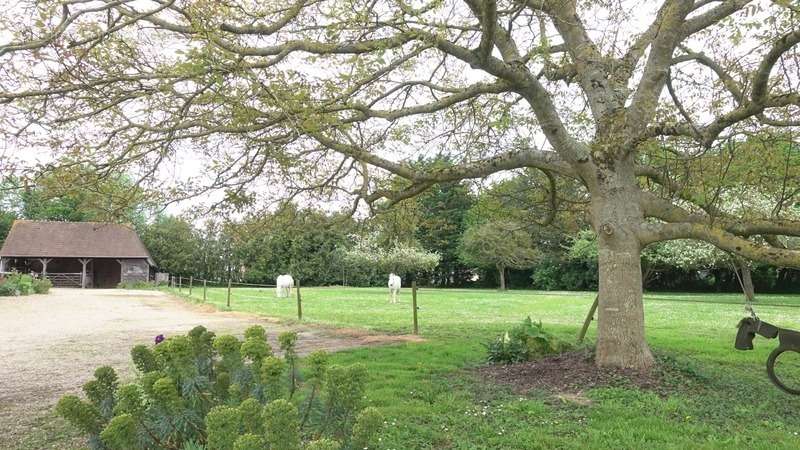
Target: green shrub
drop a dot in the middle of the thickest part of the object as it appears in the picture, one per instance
(166, 394)
(147, 381)
(202, 342)
(344, 396)
(255, 349)
(251, 411)
(138, 285)
(288, 341)
(368, 424)
(525, 342)
(16, 284)
(7, 289)
(25, 284)
(101, 390)
(144, 359)
(283, 425)
(255, 331)
(223, 424)
(272, 370)
(130, 401)
(249, 442)
(80, 414)
(317, 365)
(42, 286)
(197, 392)
(323, 444)
(120, 433)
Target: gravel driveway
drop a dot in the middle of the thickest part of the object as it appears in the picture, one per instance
(51, 344)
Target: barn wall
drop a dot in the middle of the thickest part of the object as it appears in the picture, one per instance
(134, 270)
(105, 273)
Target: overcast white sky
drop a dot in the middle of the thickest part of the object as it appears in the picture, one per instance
(639, 14)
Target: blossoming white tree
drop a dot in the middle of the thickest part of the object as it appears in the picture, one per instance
(403, 259)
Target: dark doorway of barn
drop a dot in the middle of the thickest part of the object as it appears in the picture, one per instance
(106, 273)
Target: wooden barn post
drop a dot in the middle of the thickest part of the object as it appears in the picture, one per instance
(44, 262)
(84, 262)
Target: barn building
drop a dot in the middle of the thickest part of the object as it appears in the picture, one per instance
(76, 254)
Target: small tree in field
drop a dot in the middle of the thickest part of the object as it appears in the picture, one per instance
(500, 244)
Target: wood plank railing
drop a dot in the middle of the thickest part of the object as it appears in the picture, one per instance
(65, 279)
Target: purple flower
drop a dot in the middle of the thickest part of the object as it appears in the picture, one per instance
(159, 339)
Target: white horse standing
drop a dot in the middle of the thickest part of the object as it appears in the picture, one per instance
(283, 286)
(394, 287)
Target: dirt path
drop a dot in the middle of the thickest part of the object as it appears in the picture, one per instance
(51, 344)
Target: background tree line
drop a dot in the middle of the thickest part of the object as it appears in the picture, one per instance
(514, 233)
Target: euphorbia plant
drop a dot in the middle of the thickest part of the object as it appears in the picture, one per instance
(208, 392)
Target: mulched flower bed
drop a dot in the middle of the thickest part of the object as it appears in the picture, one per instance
(570, 372)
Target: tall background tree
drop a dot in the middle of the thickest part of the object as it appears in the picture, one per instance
(301, 242)
(330, 99)
(442, 212)
(174, 245)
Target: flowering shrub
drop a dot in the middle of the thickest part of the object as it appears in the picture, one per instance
(524, 342)
(401, 258)
(208, 392)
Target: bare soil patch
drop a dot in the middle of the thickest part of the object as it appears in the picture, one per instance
(370, 338)
(568, 375)
(51, 344)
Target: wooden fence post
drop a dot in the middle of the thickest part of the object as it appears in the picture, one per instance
(191, 281)
(414, 305)
(204, 291)
(589, 318)
(229, 292)
(180, 284)
(299, 301)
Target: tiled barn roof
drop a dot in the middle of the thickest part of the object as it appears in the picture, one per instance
(28, 238)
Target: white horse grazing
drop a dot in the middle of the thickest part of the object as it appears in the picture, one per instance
(283, 288)
(394, 287)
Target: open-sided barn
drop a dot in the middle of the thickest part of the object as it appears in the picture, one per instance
(77, 254)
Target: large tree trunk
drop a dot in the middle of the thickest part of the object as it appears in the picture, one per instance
(616, 216)
(620, 326)
(501, 270)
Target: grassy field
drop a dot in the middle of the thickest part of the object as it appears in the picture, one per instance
(433, 399)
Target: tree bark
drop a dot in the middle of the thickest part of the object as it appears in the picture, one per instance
(501, 270)
(620, 331)
(620, 326)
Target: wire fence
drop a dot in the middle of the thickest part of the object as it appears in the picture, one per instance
(199, 288)
(191, 284)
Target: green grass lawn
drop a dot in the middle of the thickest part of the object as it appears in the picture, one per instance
(432, 399)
